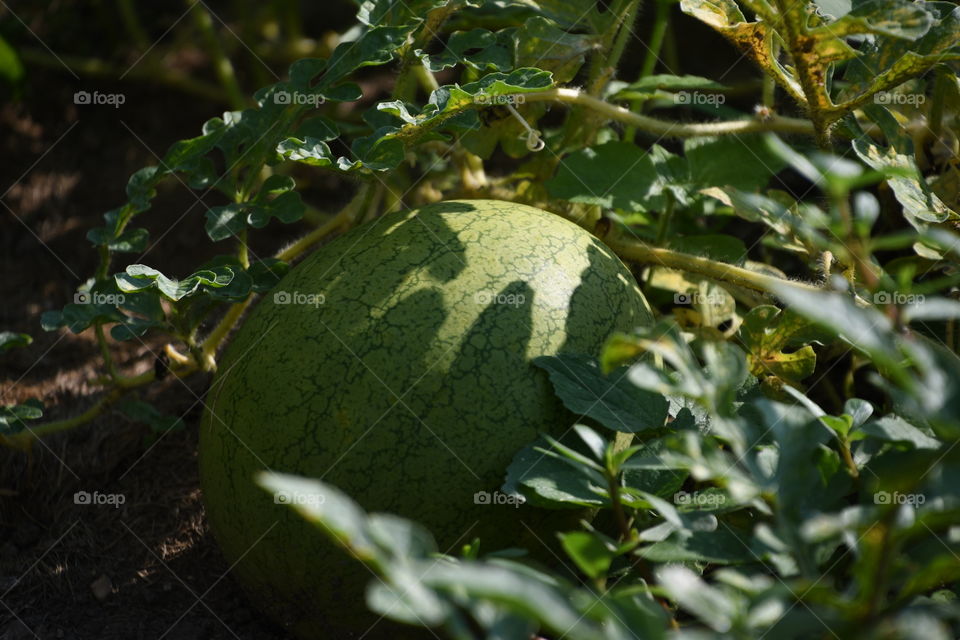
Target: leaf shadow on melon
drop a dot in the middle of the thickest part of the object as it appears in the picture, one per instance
(595, 291)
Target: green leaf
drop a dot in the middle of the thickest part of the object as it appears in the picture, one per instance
(799, 480)
(11, 69)
(609, 399)
(766, 333)
(711, 606)
(328, 508)
(13, 417)
(81, 315)
(529, 596)
(746, 164)
(659, 482)
(309, 150)
(894, 18)
(228, 220)
(11, 340)
(141, 187)
(265, 274)
(649, 85)
(920, 205)
(885, 63)
(184, 154)
(126, 241)
(574, 15)
(541, 44)
(130, 241)
(548, 482)
(617, 175)
(378, 152)
(146, 413)
(717, 246)
(478, 49)
(719, 546)
(405, 539)
(582, 462)
(390, 12)
(893, 428)
(402, 596)
(751, 38)
(596, 443)
(144, 312)
(287, 208)
(523, 80)
(139, 277)
(376, 46)
(865, 328)
(590, 554)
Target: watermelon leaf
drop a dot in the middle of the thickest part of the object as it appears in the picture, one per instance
(609, 399)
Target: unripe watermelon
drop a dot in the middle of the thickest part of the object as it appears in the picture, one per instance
(395, 363)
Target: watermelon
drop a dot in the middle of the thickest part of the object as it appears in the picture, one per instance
(395, 363)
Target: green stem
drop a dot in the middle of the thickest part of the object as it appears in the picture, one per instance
(243, 252)
(105, 352)
(403, 88)
(628, 17)
(848, 459)
(578, 129)
(720, 271)
(808, 72)
(655, 126)
(663, 224)
(885, 556)
(208, 349)
(427, 80)
(221, 63)
(304, 243)
(663, 227)
(661, 22)
(935, 116)
(769, 91)
(24, 439)
(131, 21)
(613, 487)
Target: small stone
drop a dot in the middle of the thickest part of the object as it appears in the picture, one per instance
(101, 588)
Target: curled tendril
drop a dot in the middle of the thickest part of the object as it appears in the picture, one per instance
(534, 141)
